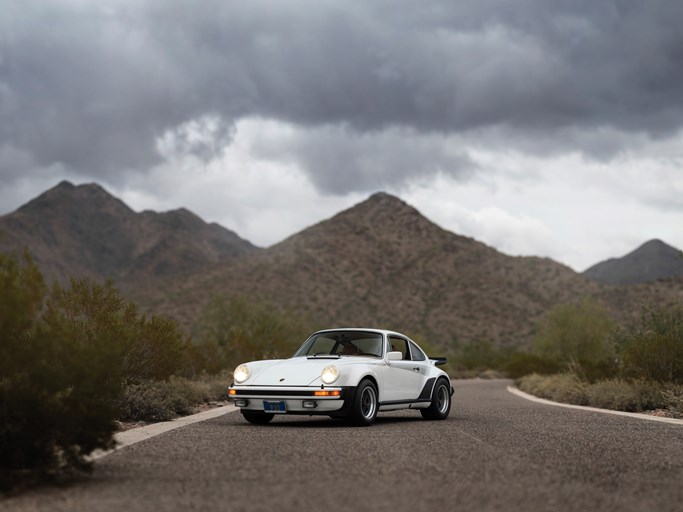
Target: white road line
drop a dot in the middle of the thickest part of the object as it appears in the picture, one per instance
(135, 435)
(639, 416)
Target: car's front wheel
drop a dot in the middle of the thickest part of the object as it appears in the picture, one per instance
(441, 402)
(259, 418)
(365, 404)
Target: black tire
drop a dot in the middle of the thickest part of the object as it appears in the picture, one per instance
(258, 418)
(441, 402)
(365, 404)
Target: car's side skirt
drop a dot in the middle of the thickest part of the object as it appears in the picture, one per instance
(403, 404)
(423, 399)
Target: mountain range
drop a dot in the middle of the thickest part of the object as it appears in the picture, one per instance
(377, 263)
(84, 231)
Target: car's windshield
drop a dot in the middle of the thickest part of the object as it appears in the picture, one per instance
(342, 343)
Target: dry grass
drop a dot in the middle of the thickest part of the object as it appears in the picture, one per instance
(562, 387)
(165, 400)
(616, 394)
(674, 399)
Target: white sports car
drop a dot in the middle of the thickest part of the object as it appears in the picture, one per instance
(349, 373)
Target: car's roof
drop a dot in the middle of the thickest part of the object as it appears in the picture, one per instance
(368, 329)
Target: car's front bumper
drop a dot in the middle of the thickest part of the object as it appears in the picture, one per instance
(297, 400)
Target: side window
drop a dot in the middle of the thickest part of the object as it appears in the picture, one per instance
(400, 345)
(418, 355)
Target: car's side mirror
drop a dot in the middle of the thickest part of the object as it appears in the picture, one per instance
(439, 361)
(395, 356)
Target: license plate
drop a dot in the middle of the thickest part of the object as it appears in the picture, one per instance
(276, 407)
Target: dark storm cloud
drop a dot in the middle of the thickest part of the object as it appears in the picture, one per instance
(364, 162)
(93, 86)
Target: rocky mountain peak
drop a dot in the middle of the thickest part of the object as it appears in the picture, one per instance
(383, 212)
(652, 260)
(66, 196)
(83, 230)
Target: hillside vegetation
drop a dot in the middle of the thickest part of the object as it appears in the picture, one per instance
(381, 263)
(633, 367)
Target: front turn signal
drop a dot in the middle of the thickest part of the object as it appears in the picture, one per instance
(327, 393)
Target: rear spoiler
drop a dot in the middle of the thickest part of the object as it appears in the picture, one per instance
(438, 361)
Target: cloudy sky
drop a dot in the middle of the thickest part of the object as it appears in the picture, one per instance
(542, 127)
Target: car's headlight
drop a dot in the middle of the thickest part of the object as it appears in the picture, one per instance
(329, 374)
(241, 373)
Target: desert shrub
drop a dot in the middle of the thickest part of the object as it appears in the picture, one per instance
(622, 395)
(218, 385)
(673, 397)
(149, 401)
(478, 355)
(562, 387)
(652, 348)
(617, 394)
(490, 374)
(162, 400)
(95, 317)
(156, 350)
(474, 358)
(530, 383)
(579, 338)
(64, 357)
(57, 394)
(517, 364)
(232, 331)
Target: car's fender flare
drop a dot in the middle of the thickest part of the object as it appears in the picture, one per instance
(435, 380)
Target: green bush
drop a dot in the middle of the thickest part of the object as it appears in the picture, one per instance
(474, 358)
(579, 338)
(233, 331)
(64, 357)
(652, 348)
(517, 364)
(57, 394)
(479, 355)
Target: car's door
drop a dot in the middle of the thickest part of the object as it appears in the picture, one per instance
(404, 379)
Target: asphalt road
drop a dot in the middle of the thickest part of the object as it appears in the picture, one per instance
(496, 452)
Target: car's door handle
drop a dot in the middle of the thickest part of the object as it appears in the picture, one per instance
(416, 369)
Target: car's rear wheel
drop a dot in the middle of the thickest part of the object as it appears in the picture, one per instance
(441, 402)
(259, 418)
(365, 404)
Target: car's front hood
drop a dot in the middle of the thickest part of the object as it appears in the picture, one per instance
(297, 371)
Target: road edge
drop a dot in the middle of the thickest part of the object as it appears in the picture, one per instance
(522, 394)
(135, 435)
